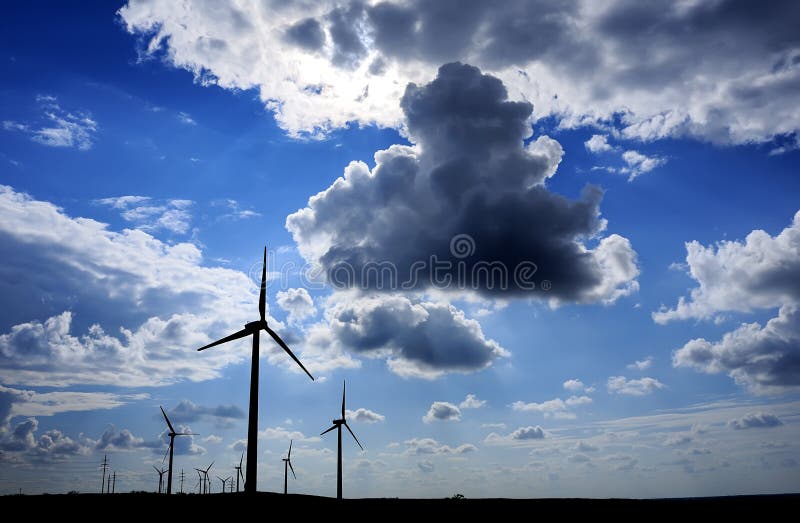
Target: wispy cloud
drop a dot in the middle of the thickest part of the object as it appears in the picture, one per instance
(57, 127)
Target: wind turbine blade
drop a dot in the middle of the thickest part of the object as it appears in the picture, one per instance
(287, 349)
(292, 469)
(290, 449)
(187, 434)
(240, 461)
(165, 455)
(330, 429)
(156, 469)
(235, 336)
(262, 297)
(166, 419)
(354, 436)
(212, 464)
(344, 389)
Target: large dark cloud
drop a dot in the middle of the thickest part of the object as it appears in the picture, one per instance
(187, 412)
(471, 194)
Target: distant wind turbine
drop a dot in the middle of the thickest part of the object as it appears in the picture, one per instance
(337, 424)
(253, 329)
(238, 473)
(224, 481)
(160, 477)
(287, 464)
(172, 435)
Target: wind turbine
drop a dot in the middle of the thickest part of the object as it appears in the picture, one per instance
(172, 435)
(224, 481)
(238, 472)
(206, 482)
(160, 477)
(287, 464)
(253, 329)
(199, 481)
(337, 424)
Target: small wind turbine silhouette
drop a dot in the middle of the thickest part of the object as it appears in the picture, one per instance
(287, 464)
(160, 477)
(223, 482)
(206, 482)
(238, 472)
(253, 329)
(337, 424)
(172, 435)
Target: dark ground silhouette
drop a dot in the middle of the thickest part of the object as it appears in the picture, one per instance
(302, 506)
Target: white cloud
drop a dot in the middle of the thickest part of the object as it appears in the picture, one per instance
(633, 387)
(363, 415)
(557, 408)
(297, 302)
(573, 385)
(58, 127)
(638, 163)
(442, 411)
(429, 446)
(235, 210)
(493, 425)
(471, 402)
(320, 66)
(213, 439)
(99, 278)
(18, 402)
(641, 365)
(740, 276)
(285, 434)
(598, 143)
(743, 276)
(147, 215)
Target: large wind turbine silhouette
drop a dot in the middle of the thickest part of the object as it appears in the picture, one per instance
(337, 424)
(171, 435)
(253, 329)
(287, 464)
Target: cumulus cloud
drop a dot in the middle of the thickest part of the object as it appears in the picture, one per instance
(499, 231)
(420, 339)
(573, 385)
(88, 305)
(285, 434)
(363, 415)
(429, 446)
(557, 408)
(583, 446)
(471, 402)
(122, 440)
(756, 420)
(722, 71)
(760, 272)
(598, 143)
(633, 387)
(22, 442)
(148, 215)
(520, 435)
(297, 302)
(58, 127)
(442, 411)
(641, 365)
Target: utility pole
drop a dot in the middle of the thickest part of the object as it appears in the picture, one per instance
(182, 481)
(104, 465)
(114, 483)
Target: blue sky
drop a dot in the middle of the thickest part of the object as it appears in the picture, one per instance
(147, 154)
